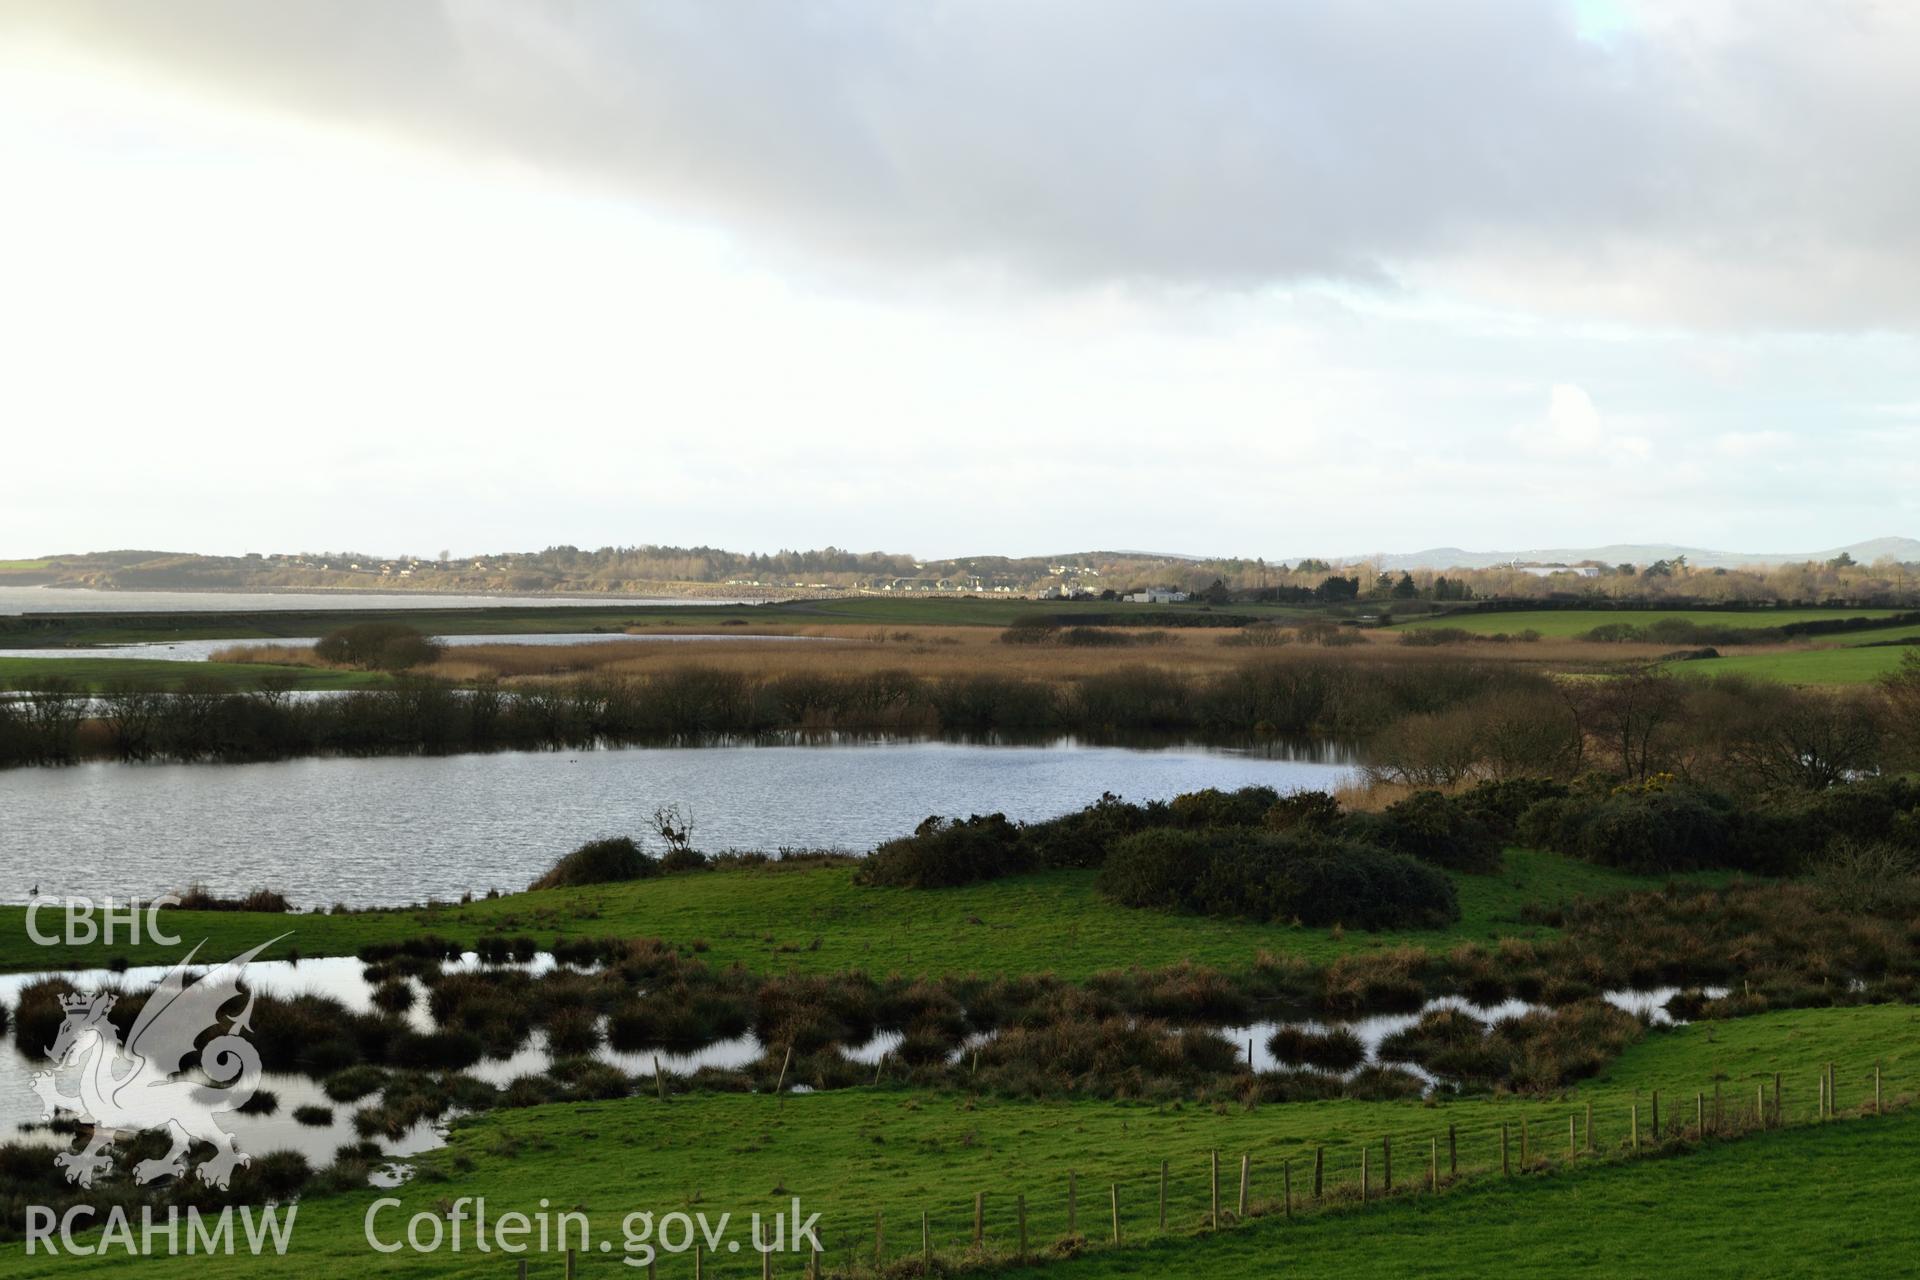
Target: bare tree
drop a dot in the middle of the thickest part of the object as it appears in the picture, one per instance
(1901, 691)
(130, 713)
(674, 825)
(1814, 740)
(1630, 718)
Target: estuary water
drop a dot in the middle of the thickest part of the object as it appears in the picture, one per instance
(14, 600)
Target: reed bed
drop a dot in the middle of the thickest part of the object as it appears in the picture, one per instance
(940, 652)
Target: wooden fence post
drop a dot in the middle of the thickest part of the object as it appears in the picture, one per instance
(1364, 1188)
(1656, 1115)
(1319, 1168)
(1778, 1120)
(1636, 1128)
(1386, 1164)
(781, 1083)
(1820, 1104)
(1526, 1147)
(1213, 1181)
(571, 1264)
(1719, 1116)
(1760, 1106)
(659, 1081)
(1589, 1127)
(1163, 1195)
(1506, 1169)
(523, 1269)
(1286, 1185)
(1573, 1138)
(766, 1265)
(1114, 1194)
(1433, 1164)
(1453, 1154)
(1246, 1173)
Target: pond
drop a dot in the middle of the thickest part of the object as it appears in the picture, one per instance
(394, 830)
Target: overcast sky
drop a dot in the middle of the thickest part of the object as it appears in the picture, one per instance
(1017, 276)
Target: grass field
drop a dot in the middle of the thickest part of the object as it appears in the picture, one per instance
(1563, 623)
(1832, 665)
(816, 920)
(95, 674)
(854, 1154)
(1789, 1204)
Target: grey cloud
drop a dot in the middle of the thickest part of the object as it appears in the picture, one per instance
(1752, 170)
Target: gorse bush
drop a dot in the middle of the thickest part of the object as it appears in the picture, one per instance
(1081, 839)
(1302, 810)
(1212, 807)
(1285, 875)
(607, 861)
(1499, 804)
(943, 852)
(1659, 828)
(1434, 828)
(1647, 831)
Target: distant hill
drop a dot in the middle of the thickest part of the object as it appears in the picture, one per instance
(1901, 549)
(647, 570)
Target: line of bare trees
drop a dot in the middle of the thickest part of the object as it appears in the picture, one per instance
(1730, 731)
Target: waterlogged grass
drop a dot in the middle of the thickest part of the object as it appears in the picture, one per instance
(1564, 623)
(853, 1154)
(97, 674)
(815, 919)
(1836, 665)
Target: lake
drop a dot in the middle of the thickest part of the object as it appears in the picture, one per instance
(15, 600)
(389, 830)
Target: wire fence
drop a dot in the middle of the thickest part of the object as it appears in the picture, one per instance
(1186, 1196)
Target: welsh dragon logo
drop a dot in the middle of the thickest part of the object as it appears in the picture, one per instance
(149, 1083)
